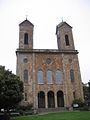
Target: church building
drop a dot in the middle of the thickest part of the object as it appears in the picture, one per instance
(51, 77)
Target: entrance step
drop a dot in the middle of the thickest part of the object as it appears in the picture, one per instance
(46, 110)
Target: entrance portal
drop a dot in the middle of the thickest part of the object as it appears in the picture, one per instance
(51, 101)
(60, 99)
(41, 99)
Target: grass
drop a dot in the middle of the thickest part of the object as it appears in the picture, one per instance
(57, 116)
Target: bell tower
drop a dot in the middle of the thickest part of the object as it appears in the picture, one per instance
(64, 36)
(26, 35)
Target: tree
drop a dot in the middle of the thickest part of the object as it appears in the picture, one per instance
(80, 102)
(86, 92)
(11, 89)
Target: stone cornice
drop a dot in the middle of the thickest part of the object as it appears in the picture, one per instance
(47, 51)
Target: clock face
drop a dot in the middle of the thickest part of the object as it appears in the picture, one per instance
(48, 60)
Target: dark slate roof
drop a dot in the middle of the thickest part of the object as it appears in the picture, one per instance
(26, 22)
(61, 24)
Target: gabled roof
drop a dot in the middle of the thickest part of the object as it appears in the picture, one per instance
(61, 24)
(26, 22)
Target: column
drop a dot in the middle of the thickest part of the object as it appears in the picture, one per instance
(37, 101)
(33, 80)
(46, 103)
(55, 100)
(65, 100)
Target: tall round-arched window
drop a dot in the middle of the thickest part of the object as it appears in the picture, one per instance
(40, 77)
(67, 40)
(49, 77)
(26, 38)
(26, 76)
(58, 77)
(72, 75)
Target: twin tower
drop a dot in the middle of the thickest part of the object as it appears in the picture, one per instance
(63, 32)
(51, 77)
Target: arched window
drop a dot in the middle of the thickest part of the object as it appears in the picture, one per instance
(26, 38)
(49, 77)
(66, 40)
(58, 77)
(72, 75)
(40, 77)
(26, 76)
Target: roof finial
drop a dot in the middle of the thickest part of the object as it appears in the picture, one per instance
(26, 17)
(62, 19)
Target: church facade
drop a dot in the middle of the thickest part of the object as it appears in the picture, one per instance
(51, 77)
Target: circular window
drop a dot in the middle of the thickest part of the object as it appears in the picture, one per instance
(70, 61)
(48, 60)
(25, 60)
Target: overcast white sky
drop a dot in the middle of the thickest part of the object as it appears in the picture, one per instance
(45, 15)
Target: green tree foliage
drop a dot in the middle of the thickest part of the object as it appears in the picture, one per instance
(86, 91)
(11, 89)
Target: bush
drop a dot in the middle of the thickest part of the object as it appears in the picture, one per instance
(25, 108)
(80, 102)
(4, 116)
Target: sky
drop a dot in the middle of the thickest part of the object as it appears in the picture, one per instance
(45, 15)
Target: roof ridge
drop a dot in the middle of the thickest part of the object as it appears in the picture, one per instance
(26, 21)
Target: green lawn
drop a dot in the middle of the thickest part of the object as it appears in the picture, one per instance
(57, 116)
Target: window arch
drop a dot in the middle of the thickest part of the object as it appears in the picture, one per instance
(72, 75)
(49, 77)
(40, 77)
(66, 40)
(58, 77)
(26, 38)
(26, 76)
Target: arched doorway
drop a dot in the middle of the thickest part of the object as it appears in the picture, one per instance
(41, 99)
(60, 99)
(51, 101)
